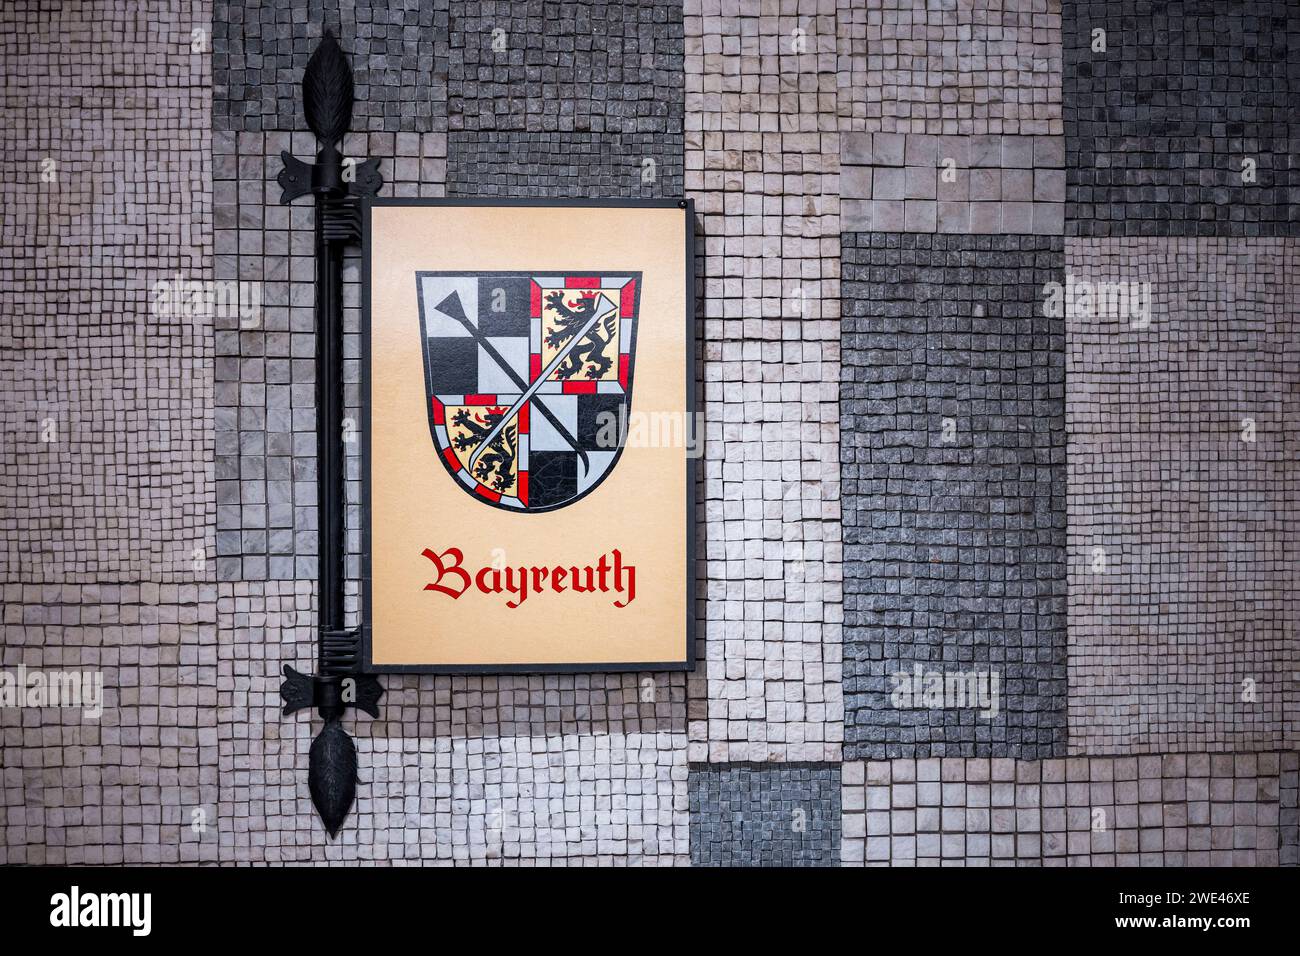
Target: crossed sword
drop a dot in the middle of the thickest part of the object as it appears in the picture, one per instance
(452, 308)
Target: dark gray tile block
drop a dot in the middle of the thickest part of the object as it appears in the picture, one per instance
(779, 814)
(953, 480)
(1158, 125)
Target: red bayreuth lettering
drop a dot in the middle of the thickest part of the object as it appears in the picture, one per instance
(443, 571)
(619, 570)
(608, 574)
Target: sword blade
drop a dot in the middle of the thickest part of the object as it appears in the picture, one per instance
(454, 310)
(560, 356)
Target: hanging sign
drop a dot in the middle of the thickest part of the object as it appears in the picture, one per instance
(528, 435)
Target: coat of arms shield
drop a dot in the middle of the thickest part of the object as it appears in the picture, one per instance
(529, 380)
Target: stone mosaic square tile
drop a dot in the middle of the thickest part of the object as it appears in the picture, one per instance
(765, 814)
(762, 163)
(512, 770)
(127, 775)
(953, 465)
(181, 447)
(1288, 814)
(398, 50)
(558, 165)
(1185, 123)
(264, 416)
(917, 182)
(600, 67)
(105, 352)
(1194, 809)
(565, 99)
(1183, 376)
(920, 66)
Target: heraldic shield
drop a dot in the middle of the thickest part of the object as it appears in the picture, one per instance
(529, 378)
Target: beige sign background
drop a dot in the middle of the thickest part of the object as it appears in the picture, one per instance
(640, 508)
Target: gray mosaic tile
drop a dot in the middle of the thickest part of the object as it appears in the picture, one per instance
(762, 164)
(565, 99)
(398, 50)
(137, 782)
(1289, 811)
(551, 165)
(264, 417)
(785, 814)
(106, 347)
(1175, 810)
(1158, 125)
(921, 66)
(925, 183)
(953, 463)
(183, 445)
(579, 770)
(1184, 495)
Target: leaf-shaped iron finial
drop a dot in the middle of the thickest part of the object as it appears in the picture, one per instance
(332, 775)
(327, 91)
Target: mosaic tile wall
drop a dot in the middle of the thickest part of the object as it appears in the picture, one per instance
(490, 771)
(1184, 496)
(164, 533)
(1192, 809)
(265, 373)
(953, 404)
(399, 51)
(950, 66)
(138, 784)
(762, 163)
(1289, 811)
(106, 494)
(265, 418)
(765, 814)
(565, 99)
(914, 182)
(107, 365)
(1180, 118)
(478, 783)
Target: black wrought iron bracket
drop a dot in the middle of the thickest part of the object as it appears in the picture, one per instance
(338, 185)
